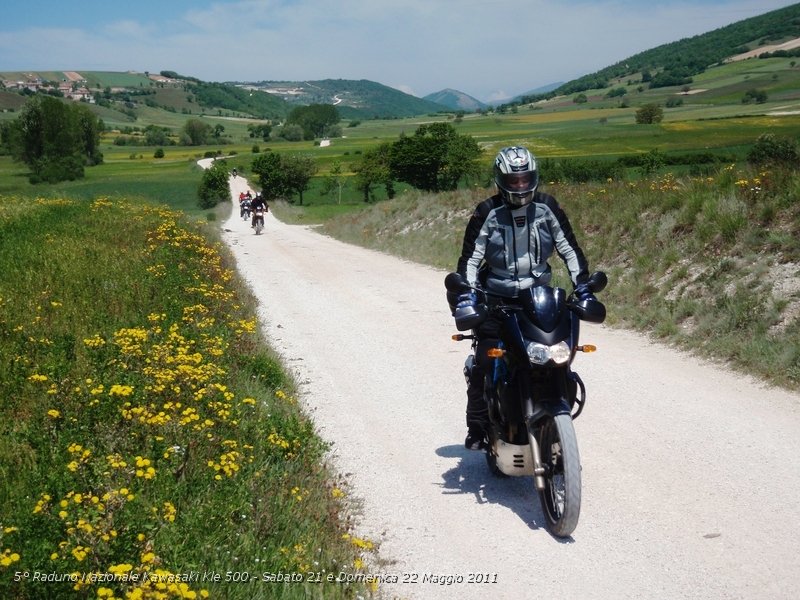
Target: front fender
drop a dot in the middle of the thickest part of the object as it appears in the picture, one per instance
(548, 409)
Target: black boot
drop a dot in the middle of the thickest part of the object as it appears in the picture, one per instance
(477, 411)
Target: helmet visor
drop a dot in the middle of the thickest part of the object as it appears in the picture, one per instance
(518, 183)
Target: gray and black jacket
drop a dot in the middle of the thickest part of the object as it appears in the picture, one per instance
(515, 245)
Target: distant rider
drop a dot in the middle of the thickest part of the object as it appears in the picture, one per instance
(258, 202)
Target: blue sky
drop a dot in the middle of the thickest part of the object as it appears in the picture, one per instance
(490, 49)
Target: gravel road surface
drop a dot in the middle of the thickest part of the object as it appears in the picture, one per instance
(691, 474)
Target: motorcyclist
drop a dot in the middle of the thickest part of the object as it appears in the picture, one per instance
(507, 243)
(258, 202)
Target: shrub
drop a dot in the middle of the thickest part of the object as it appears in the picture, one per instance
(214, 185)
(159, 153)
(754, 95)
(771, 149)
(649, 114)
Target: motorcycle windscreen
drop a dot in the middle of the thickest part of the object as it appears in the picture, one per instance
(546, 309)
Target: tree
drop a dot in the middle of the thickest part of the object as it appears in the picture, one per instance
(313, 119)
(435, 158)
(89, 128)
(56, 139)
(291, 132)
(649, 114)
(374, 170)
(214, 186)
(262, 131)
(283, 176)
(652, 162)
(335, 180)
(298, 169)
(754, 95)
(270, 175)
(196, 132)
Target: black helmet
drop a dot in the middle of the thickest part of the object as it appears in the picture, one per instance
(516, 175)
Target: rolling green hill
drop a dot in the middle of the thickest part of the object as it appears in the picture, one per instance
(355, 99)
(679, 63)
(704, 86)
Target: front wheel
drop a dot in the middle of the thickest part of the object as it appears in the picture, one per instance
(561, 496)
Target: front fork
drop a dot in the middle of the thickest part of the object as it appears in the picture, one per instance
(536, 454)
(533, 415)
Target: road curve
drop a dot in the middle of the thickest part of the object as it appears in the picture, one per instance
(691, 474)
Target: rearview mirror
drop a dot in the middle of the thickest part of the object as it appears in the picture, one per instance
(456, 283)
(597, 281)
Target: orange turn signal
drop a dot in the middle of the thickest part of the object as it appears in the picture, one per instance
(495, 353)
(588, 348)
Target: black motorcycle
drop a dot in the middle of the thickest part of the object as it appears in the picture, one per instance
(258, 220)
(532, 393)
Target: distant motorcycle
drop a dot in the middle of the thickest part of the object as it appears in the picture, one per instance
(531, 392)
(245, 210)
(258, 220)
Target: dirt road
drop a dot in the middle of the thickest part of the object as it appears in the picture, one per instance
(691, 474)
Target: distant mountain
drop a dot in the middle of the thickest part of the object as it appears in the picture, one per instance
(456, 100)
(361, 99)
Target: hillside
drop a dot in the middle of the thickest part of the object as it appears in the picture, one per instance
(360, 99)
(689, 76)
(677, 63)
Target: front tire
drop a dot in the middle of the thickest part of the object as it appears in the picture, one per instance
(561, 496)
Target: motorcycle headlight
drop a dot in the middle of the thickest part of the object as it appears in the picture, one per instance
(541, 354)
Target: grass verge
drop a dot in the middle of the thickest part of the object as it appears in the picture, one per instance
(150, 443)
(710, 264)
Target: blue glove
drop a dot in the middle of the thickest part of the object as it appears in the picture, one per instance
(582, 292)
(469, 314)
(465, 300)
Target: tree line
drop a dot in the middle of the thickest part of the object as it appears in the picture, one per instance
(55, 139)
(436, 158)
